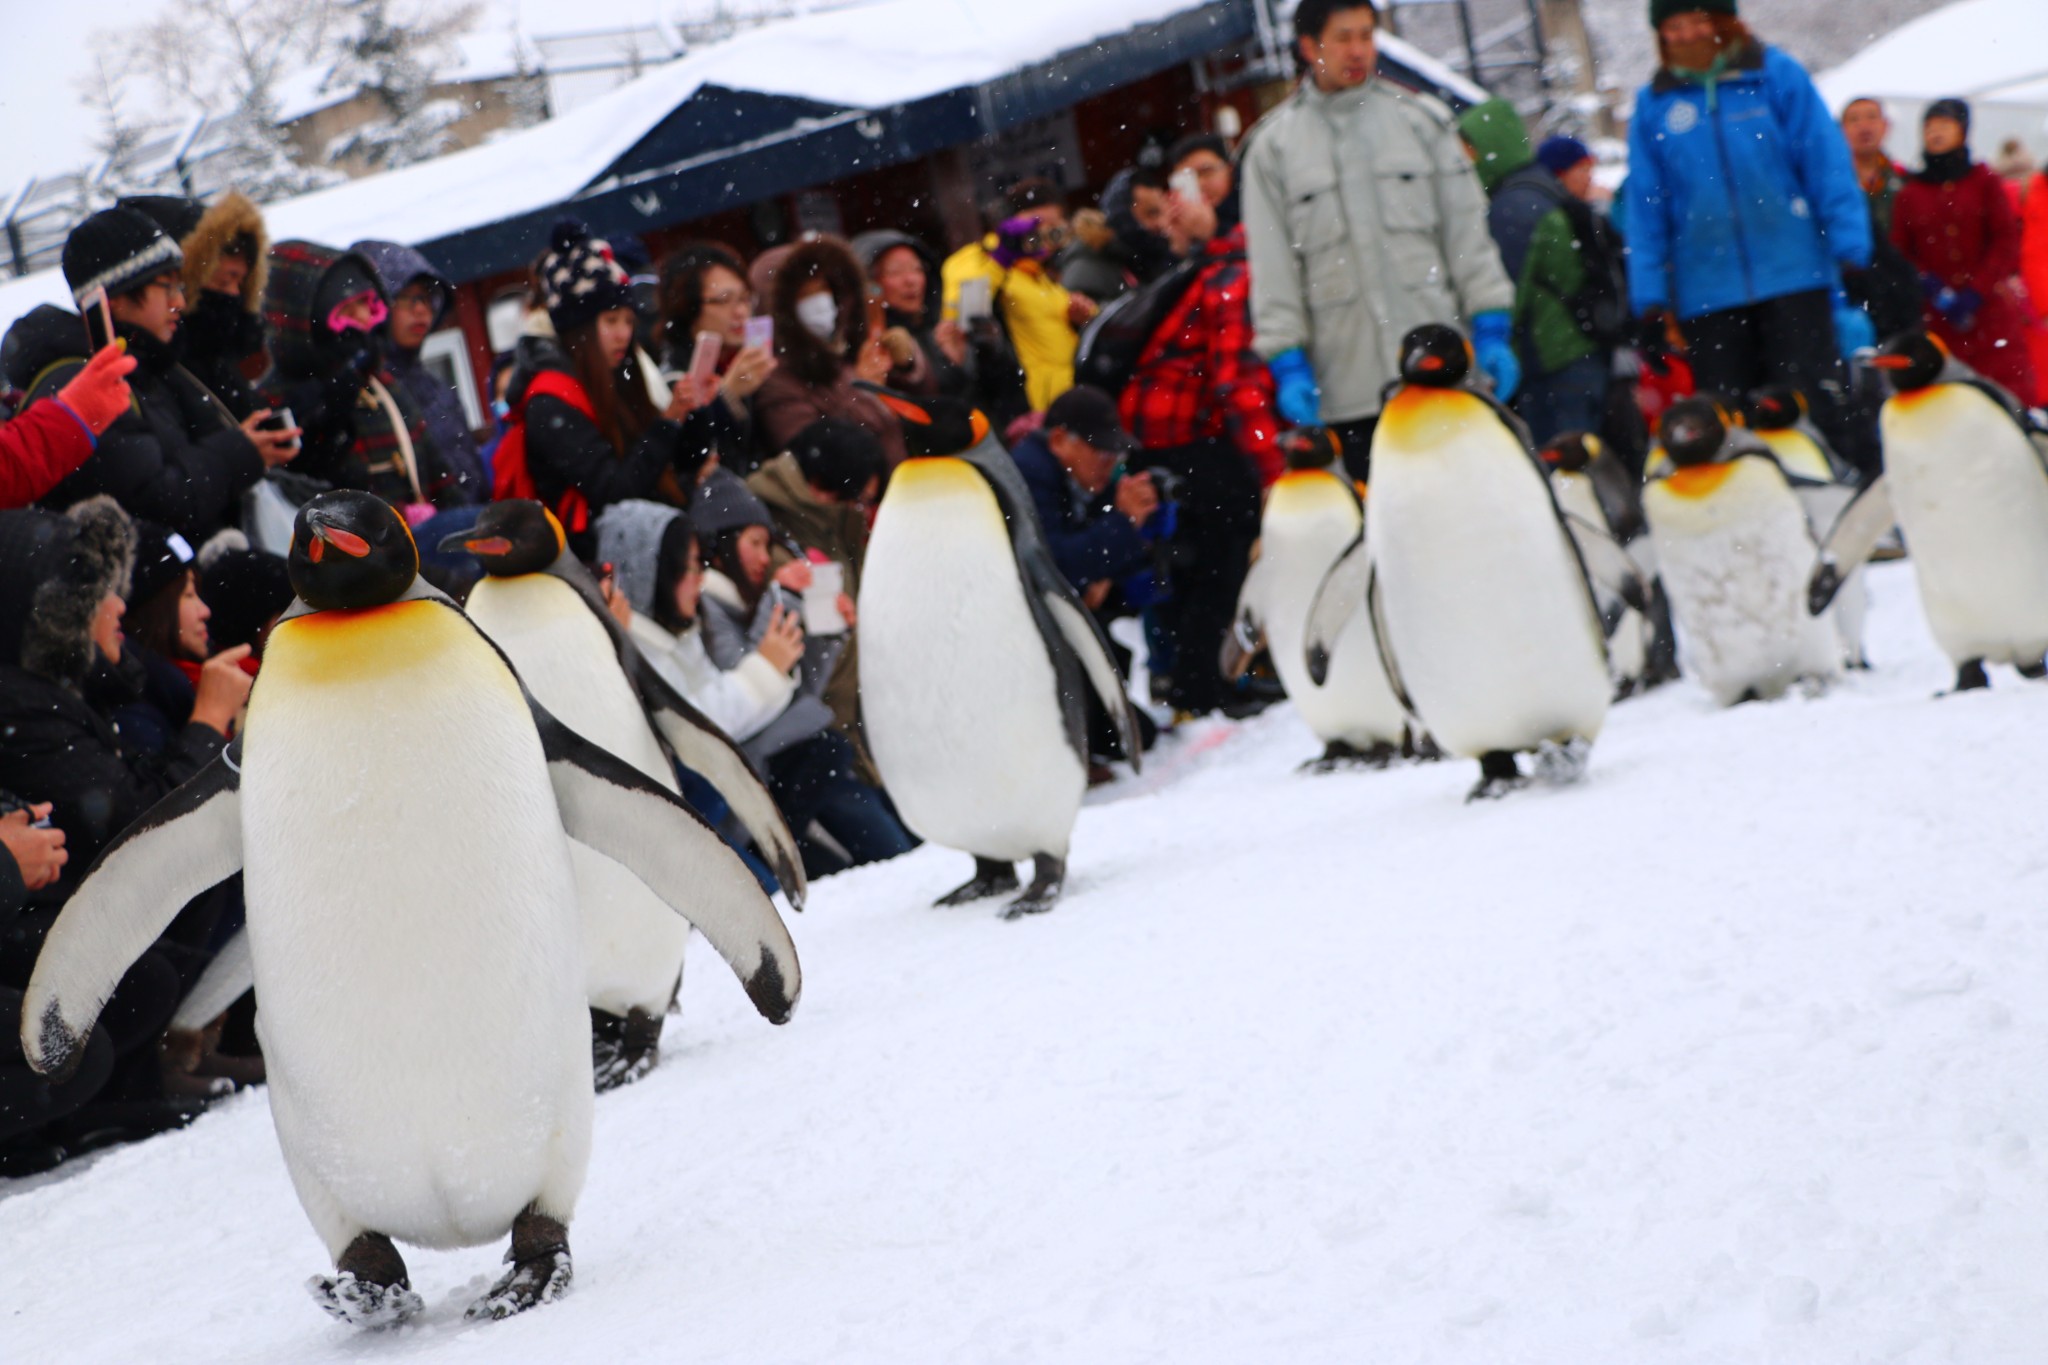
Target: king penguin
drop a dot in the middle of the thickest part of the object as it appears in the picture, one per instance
(1597, 493)
(398, 807)
(542, 608)
(1490, 626)
(1735, 546)
(1825, 484)
(977, 661)
(1312, 515)
(1966, 479)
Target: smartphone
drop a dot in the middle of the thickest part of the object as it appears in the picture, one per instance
(704, 360)
(280, 419)
(821, 599)
(1187, 184)
(96, 305)
(878, 317)
(760, 331)
(974, 299)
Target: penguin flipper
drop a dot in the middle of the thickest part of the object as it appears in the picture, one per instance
(189, 841)
(703, 748)
(1609, 568)
(612, 808)
(1084, 637)
(1376, 609)
(1247, 633)
(1339, 598)
(231, 973)
(1854, 535)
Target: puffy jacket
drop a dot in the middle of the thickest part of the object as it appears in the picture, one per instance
(38, 449)
(176, 456)
(1963, 233)
(1088, 540)
(447, 424)
(1363, 219)
(1750, 199)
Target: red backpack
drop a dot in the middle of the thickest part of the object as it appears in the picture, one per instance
(510, 477)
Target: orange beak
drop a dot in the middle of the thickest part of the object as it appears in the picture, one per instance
(489, 545)
(348, 542)
(1890, 362)
(1430, 362)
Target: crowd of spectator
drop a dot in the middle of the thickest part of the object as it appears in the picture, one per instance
(714, 433)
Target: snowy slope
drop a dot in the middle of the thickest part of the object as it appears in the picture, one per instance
(1737, 1052)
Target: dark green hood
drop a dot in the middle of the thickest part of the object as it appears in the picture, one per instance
(1498, 134)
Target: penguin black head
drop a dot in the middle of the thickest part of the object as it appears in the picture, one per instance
(514, 537)
(934, 428)
(1311, 448)
(1693, 431)
(351, 549)
(1911, 361)
(1571, 451)
(1436, 357)
(1776, 408)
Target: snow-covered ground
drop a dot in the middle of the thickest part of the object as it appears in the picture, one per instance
(1736, 1052)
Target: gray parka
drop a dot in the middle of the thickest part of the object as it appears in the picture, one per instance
(1363, 219)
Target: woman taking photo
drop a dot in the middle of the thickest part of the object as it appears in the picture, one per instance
(822, 340)
(592, 434)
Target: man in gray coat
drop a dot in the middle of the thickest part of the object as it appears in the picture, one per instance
(1363, 219)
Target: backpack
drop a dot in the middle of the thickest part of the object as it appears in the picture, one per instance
(1116, 337)
(1600, 305)
(510, 478)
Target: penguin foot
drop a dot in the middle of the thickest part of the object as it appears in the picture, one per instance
(1421, 746)
(991, 878)
(1049, 876)
(1337, 754)
(1499, 774)
(1559, 764)
(623, 1050)
(1971, 676)
(2034, 671)
(370, 1288)
(540, 1271)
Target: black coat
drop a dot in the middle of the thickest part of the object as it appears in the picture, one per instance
(176, 456)
(62, 749)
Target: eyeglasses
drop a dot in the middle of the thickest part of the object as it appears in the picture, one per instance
(726, 298)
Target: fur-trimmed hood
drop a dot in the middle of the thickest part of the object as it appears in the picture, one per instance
(54, 572)
(227, 218)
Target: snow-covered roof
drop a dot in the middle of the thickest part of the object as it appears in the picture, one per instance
(1990, 50)
(876, 55)
(480, 56)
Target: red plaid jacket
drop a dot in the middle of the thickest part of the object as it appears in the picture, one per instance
(1199, 379)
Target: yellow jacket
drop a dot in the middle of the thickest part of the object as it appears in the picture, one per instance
(1034, 309)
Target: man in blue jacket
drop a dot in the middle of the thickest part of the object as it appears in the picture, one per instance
(1743, 209)
(1069, 465)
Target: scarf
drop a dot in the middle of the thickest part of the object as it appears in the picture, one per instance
(1709, 78)
(1945, 168)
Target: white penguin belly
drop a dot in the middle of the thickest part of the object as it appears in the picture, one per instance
(633, 944)
(412, 925)
(1736, 551)
(1973, 503)
(958, 691)
(1309, 521)
(1487, 612)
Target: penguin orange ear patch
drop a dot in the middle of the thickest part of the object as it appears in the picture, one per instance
(978, 423)
(904, 408)
(554, 522)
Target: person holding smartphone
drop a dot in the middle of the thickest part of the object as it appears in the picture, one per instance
(176, 455)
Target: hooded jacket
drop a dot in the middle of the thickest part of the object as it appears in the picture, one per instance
(1538, 227)
(326, 379)
(1363, 219)
(55, 689)
(176, 456)
(219, 331)
(447, 424)
(1750, 198)
(937, 375)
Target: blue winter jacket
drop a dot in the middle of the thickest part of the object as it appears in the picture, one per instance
(1752, 201)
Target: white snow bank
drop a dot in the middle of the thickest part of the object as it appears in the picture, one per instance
(1735, 1052)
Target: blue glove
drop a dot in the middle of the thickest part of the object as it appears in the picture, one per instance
(1301, 401)
(1958, 305)
(1854, 331)
(1496, 354)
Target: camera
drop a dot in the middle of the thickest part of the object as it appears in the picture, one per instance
(1169, 483)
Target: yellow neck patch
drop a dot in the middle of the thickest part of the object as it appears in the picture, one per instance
(1418, 417)
(1698, 480)
(349, 648)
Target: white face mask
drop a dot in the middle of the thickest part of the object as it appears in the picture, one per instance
(819, 314)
